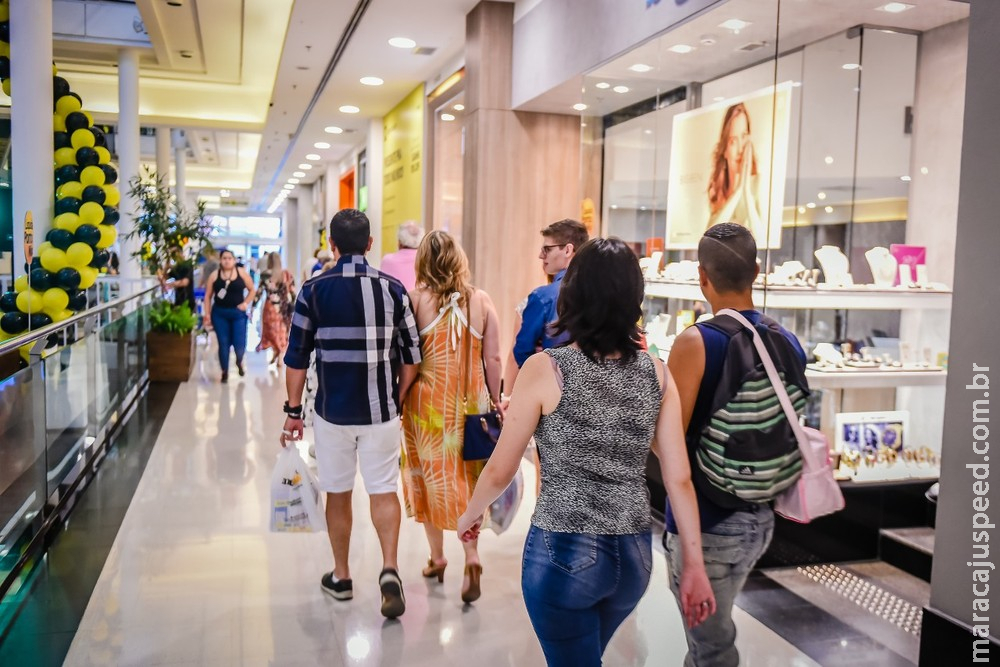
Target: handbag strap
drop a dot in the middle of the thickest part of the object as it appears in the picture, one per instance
(779, 386)
(468, 356)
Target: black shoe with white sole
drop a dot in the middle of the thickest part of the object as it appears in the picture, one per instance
(391, 586)
(338, 589)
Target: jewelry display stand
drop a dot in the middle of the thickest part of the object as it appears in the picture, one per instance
(883, 265)
(835, 265)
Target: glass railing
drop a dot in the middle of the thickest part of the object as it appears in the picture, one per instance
(59, 411)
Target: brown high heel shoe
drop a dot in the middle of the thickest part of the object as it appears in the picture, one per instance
(473, 592)
(434, 570)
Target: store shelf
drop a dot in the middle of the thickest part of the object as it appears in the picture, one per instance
(875, 379)
(858, 298)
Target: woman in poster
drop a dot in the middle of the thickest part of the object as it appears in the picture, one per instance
(735, 181)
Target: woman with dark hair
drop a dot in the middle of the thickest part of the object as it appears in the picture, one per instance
(228, 296)
(734, 186)
(595, 407)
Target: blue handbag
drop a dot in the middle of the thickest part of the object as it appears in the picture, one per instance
(481, 430)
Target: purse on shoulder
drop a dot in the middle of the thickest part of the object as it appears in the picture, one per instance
(481, 430)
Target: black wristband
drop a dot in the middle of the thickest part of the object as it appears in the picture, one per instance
(294, 413)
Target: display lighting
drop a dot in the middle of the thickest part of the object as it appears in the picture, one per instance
(603, 85)
(459, 107)
(299, 174)
(850, 67)
(828, 209)
(640, 67)
(811, 204)
(322, 145)
(313, 157)
(349, 108)
(828, 159)
(294, 181)
(894, 7)
(802, 209)
(447, 117)
(306, 166)
(681, 48)
(402, 42)
(821, 196)
(620, 89)
(333, 129)
(371, 81)
(735, 25)
(580, 106)
(924, 171)
(223, 193)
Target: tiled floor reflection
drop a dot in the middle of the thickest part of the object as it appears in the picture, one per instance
(195, 578)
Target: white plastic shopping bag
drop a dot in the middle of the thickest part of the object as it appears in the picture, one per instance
(504, 509)
(295, 503)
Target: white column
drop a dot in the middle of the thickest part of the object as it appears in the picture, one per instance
(31, 120)
(127, 146)
(292, 235)
(163, 154)
(180, 160)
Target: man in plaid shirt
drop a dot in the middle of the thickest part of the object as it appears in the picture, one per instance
(359, 323)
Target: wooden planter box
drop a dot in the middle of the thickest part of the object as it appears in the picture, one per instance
(171, 357)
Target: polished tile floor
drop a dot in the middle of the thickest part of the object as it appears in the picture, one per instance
(195, 578)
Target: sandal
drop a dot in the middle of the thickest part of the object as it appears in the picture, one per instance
(434, 570)
(473, 572)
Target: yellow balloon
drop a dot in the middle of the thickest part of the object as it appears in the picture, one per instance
(53, 260)
(60, 316)
(91, 213)
(70, 188)
(21, 284)
(68, 221)
(55, 299)
(103, 155)
(65, 156)
(67, 104)
(112, 195)
(29, 301)
(58, 122)
(88, 276)
(4, 13)
(42, 248)
(91, 175)
(82, 137)
(5, 85)
(4, 46)
(55, 70)
(108, 236)
(78, 255)
(90, 118)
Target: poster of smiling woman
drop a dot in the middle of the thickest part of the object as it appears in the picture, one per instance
(727, 164)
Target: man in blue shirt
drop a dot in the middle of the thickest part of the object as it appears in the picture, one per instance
(359, 322)
(732, 540)
(560, 241)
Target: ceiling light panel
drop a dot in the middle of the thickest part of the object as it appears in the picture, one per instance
(402, 42)
(895, 7)
(349, 108)
(735, 25)
(322, 145)
(681, 48)
(371, 81)
(333, 129)
(313, 157)
(640, 68)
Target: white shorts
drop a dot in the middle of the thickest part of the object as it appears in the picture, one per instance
(339, 450)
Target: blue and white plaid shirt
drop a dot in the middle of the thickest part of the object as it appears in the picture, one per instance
(359, 322)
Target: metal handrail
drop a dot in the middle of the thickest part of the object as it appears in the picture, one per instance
(13, 344)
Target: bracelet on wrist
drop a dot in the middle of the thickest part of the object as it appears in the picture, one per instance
(295, 412)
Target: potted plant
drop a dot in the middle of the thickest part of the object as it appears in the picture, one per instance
(170, 237)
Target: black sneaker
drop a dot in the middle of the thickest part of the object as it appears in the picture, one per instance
(225, 377)
(342, 589)
(393, 601)
(241, 368)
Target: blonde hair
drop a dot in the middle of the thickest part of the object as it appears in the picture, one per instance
(273, 264)
(443, 268)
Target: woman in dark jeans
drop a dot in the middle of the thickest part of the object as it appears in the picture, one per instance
(588, 554)
(228, 295)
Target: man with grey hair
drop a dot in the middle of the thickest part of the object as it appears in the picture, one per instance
(402, 263)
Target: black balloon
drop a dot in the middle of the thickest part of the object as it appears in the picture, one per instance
(4, 67)
(99, 138)
(39, 320)
(67, 173)
(41, 279)
(77, 300)
(111, 215)
(87, 156)
(8, 302)
(88, 234)
(78, 98)
(110, 173)
(94, 193)
(76, 121)
(62, 140)
(101, 259)
(68, 278)
(60, 87)
(14, 323)
(67, 205)
(36, 263)
(60, 238)
(5, 31)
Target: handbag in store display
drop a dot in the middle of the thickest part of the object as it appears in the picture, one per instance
(482, 430)
(816, 493)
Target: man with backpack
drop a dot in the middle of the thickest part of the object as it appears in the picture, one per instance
(742, 449)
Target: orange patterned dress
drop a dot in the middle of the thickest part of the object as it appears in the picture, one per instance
(437, 482)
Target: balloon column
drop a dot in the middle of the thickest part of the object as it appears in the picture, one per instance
(75, 250)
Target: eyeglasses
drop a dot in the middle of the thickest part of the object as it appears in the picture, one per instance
(547, 248)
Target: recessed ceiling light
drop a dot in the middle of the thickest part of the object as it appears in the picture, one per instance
(294, 181)
(924, 171)
(894, 7)
(828, 159)
(313, 157)
(811, 204)
(322, 145)
(349, 108)
(640, 67)
(614, 206)
(796, 84)
(580, 106)
(333, 129)
(735, 25)
(288, 186)
(371, 81)
(620, 89)
(306, 166)
(821, 196)
(459, 107)
(850, 66)
(642, 208)
(447, 116)
(905, 179)
(402, 42)
(681, 48)
(602, 85)
(828, 209)
(802, 209)
(718, 99)
(299, 174)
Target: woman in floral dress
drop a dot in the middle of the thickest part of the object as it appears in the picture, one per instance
(277, 288)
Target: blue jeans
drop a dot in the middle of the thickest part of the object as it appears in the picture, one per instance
(731, 550)
(578, 589)
(230, 326)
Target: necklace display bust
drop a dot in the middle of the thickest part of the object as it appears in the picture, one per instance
(835, 265)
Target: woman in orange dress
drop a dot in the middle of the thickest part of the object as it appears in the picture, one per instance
(277, 288)
(459, 374)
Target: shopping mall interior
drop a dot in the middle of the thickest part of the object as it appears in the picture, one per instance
(137, 511)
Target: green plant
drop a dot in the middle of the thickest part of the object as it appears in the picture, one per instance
(166, 318)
